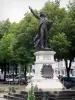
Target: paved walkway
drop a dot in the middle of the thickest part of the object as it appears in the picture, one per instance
(2, 99)
(5, 87)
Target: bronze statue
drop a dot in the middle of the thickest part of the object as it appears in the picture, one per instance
(42, 36)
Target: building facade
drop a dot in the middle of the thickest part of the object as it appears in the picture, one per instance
(60, 68)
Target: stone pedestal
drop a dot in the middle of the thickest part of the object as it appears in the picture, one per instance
(43, 58)
(44, 77)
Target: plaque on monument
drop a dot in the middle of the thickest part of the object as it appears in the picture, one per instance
(47, 71)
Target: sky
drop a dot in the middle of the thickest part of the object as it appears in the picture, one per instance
(15, 9)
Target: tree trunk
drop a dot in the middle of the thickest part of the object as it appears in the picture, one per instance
(68, 72)
(25, 70)
(16, 69)
(4, 65)
(8, 67)
(13, 73)
(68, 68)
(2, 68)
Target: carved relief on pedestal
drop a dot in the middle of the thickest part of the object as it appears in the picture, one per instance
(47, 71)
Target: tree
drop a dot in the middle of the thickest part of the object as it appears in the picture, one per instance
(4, 27)
(22, 50)
(53, 10)
(5, 50)
(14, 28)
(61, 45)
(67, 27)
(23, 45)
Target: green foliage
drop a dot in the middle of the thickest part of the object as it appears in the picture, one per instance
(23, 46)
(71, 5)
(21, 49)
(4, 27)
(28, 24)
(14, 28)
(5, 46)
(31, 95)
(52, 10)
(68, 27)
(60, 44)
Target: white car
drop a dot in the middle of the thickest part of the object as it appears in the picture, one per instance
(19, 79)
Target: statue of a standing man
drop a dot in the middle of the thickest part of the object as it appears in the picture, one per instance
(42, 36)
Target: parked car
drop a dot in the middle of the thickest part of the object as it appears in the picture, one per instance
(19, 79)
(68, 82)
(60, 76)
(9, 78)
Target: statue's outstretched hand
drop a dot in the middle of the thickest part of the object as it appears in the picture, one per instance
(30, 8)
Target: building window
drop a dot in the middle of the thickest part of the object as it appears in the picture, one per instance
(62, 72)
(58, 72)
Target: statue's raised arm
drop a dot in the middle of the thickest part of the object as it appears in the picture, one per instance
(34, 13)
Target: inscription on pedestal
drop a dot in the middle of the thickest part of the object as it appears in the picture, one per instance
(46, 58)
(47, 71)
